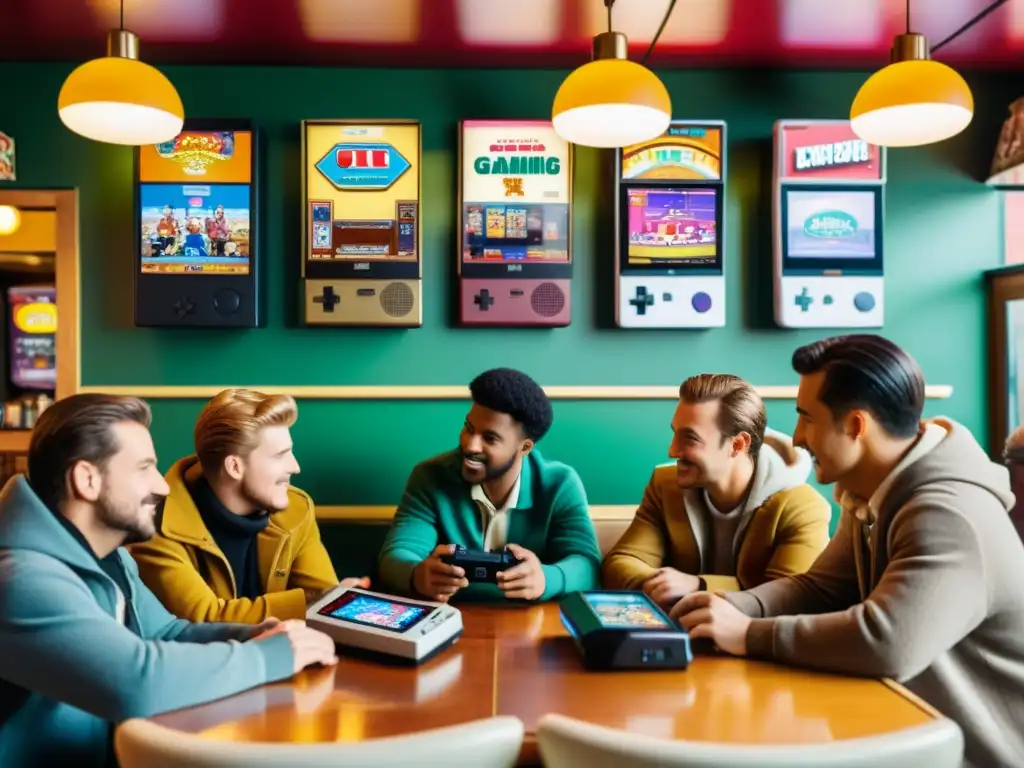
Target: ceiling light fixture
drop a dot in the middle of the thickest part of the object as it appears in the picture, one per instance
(120, 100)
(914, 100)
(612, 101)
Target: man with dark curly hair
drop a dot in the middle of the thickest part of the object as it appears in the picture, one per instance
(494, 491)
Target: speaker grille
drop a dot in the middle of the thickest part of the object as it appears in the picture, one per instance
(547, 300)
(397, 299)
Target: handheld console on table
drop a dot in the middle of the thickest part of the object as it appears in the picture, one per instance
(481, 566)
(384, 626)
(624, 630)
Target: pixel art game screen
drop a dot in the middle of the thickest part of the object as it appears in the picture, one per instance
(624, 611)
(830, 224)
(515, 192)
(362, 192)
(672, 225)
(375, 612)
(499, 232)
(194, 195)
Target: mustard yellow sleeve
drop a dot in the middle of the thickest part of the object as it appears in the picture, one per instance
(640, 551)
(312, 569)
(717, 582)
(165, 568)
(802, 535)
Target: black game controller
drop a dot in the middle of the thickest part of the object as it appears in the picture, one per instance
(481, 566)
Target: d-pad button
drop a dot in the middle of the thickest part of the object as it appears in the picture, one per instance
(642, 300)
(184, 306)
(329, 299)
(803, 300)
(484, 300)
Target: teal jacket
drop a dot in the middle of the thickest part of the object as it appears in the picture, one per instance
(69, 669)
(551, 519)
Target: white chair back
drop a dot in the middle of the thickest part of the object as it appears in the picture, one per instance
(567, 743)
(490, 743)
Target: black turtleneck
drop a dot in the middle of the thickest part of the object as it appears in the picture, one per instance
(110, 565)
(235, 535)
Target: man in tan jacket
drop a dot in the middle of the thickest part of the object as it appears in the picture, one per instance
(922, 580)
(732, 511)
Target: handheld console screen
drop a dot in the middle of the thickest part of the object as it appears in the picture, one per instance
(668, 226)
(383, 626)
(195, 204)
(372, 611)
(831, 225)
(624, 610)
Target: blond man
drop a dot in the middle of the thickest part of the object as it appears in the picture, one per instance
(732, 511)
(237, 542)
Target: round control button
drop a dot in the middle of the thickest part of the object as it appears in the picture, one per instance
(227, 301)
(701, 302)
(864, 301)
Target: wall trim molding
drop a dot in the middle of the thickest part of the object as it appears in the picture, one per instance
(383, 515)
(431, 392)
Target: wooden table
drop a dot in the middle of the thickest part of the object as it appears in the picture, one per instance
(521, 661)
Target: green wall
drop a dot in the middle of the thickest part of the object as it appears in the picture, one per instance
(941, 231)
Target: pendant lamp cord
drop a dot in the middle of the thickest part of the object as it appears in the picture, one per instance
(981, 15)
(654, 40)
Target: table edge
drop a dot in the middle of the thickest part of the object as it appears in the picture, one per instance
(912, 697)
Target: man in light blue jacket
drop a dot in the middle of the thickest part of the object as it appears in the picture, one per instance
(83, 643)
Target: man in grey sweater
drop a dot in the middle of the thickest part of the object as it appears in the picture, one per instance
(922, 581)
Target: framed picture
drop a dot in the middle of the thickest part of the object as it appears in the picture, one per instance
(1005, 328)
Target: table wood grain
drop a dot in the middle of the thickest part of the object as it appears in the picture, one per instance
(521, 661)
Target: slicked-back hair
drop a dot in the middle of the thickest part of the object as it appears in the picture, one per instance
(867, 372)
(506, 390)
(73, 429)
(231, 422)
(740, 408)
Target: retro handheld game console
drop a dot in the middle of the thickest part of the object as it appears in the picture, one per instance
(197, 223)
(669, 222)
(515, 224)
(624, 630)
(828, 213)
(481, 566)
(362, 239)
(384, 626)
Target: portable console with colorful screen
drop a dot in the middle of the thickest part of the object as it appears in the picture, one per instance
(669, 219)
(384, 625)
(624, 630)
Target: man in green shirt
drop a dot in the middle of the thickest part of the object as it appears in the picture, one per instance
(494, 491)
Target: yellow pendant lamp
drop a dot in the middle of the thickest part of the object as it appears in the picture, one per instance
(119, 99)
(10, 219)
(914, 100)
(611, 101)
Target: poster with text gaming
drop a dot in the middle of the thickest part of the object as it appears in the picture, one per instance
(516, 192)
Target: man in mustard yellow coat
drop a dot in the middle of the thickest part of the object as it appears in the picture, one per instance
(237, 542)
(732, 512)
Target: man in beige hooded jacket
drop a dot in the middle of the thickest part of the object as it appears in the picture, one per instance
(922, 580)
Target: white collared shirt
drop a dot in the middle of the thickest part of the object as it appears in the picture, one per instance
(494, 521)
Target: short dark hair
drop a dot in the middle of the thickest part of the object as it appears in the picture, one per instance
(869, 372)
(73, 429)
(506, 390)
(740, 408)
